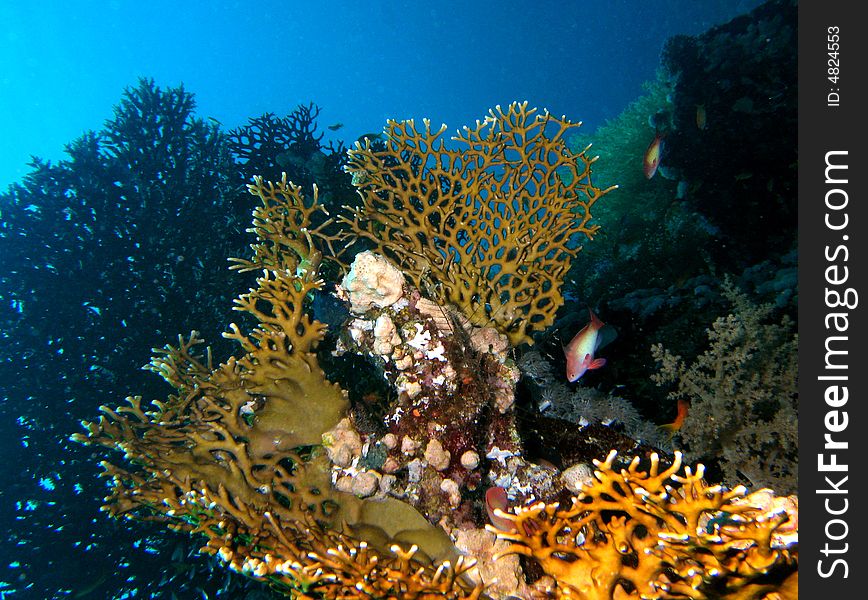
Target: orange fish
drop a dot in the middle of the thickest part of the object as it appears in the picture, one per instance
(700, 116)
(652, 156)
(580, 350)
(675, 425)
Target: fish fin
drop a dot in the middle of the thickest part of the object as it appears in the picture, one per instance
(606, 336)
(596, 363)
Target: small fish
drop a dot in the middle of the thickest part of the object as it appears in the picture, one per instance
(675, 425)
(652, 156)
(371, 137)
(580, 350)
(336, 126)
(87, 590)
(721, 520)
(495, 498)
(700, 116)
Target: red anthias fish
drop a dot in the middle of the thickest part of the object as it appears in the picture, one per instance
(652, 156)
(580, 350)
(496, 499)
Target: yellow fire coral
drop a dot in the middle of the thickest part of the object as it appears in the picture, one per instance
(232, 426)
(655, 534)
(286, 223)
(491, 226)
(236, 455)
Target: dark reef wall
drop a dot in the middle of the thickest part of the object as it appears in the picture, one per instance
(734, 129)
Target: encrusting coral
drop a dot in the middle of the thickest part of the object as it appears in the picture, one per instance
(454, 390)
(656, 534)
(491, 226)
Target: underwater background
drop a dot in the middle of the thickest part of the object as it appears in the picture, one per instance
(131, 132)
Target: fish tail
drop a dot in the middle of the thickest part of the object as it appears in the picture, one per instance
(670, 428)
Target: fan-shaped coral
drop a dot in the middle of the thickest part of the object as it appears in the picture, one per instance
(490, 226)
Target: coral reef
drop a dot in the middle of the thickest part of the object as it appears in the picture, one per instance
(235, 454)
(743, 392)
(491, 226)
(656, 534)
(294, 484)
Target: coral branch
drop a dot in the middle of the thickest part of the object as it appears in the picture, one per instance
(658, 534)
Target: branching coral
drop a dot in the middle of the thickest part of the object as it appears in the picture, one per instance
(490, 227)
(86, 240)
(234, 428)
(236, 453)
(258, 144)
(286, 224)
(744, 394)
(656, 534)
(269, 145)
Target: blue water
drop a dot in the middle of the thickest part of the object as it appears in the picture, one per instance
(66, 64)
